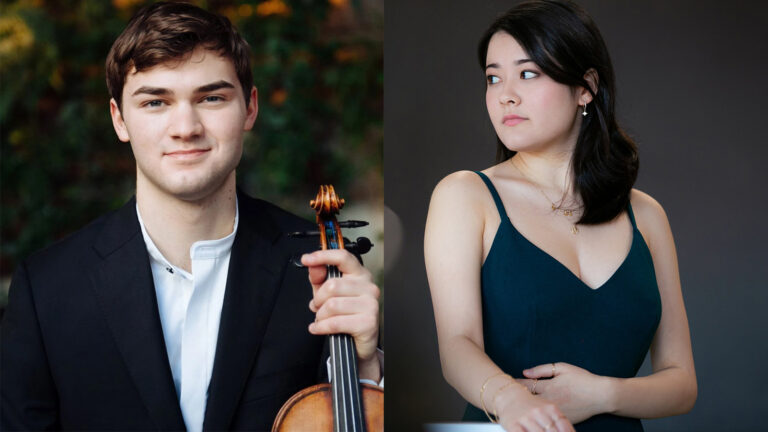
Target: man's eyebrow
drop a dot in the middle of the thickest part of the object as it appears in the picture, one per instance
(156, 91)
(214, 86)
(517, 63)
(159, 91)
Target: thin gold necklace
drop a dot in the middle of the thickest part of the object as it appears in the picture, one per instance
(555, 207)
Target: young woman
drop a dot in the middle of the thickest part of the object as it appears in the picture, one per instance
(551, 277)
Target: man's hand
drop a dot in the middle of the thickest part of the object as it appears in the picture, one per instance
(349, 304)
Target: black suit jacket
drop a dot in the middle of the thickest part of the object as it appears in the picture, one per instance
(83, 348)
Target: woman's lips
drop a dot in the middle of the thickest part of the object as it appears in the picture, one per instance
(512, 120)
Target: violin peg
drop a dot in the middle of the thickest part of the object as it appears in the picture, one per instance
(353, 224)
(360, 246)
(296, 261)
(303, 234)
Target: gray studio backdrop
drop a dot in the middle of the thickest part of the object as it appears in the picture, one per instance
(692, 91)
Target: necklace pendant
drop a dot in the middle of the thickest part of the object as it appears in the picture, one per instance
(574, 230)
(568, 212)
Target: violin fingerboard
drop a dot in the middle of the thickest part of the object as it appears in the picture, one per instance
(348, 413)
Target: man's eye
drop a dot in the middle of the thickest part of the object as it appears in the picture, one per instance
(154, 103)
(528, 74)
(213, 99)
(492, 79)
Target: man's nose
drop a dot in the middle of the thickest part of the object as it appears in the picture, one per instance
(185, 123)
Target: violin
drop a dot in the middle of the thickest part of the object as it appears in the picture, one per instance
(344, 404)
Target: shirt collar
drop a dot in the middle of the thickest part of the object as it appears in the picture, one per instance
(203, 249)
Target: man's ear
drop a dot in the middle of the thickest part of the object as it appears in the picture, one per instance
(593, 80)
(252, 110)
(117, 121)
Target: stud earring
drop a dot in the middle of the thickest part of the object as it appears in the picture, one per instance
(584, 113)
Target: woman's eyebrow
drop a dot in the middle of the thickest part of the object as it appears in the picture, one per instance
(517, 63)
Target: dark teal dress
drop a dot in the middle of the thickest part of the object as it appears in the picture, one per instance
(536, 311)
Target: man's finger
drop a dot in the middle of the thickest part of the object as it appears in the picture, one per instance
(344, 287)
(317, 275)
(347, 306)
(359, 326)
(343, 260)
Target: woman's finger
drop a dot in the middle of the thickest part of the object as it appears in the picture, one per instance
(563, 425)
(527, 383)
(547, 370)
(531, 425)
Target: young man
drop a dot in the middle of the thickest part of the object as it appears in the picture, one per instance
(180, 309)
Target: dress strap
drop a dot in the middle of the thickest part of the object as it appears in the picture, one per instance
(631, 215)
(496, 198)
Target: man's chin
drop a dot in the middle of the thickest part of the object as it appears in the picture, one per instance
(196, 192)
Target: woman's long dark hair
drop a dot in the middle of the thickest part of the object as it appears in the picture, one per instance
(561, 38)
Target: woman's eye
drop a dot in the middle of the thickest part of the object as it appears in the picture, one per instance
(492, 79)
(528, 74)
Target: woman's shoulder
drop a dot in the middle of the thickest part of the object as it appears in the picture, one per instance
(464, 184)
(645, 206)
(650, 216)
(462, 194)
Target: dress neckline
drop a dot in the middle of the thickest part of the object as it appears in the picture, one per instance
(506, 219)
(558, 263)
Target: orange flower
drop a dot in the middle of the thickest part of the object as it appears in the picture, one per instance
(245, 10)
(349, 54)
(125, 4)
(273, 7)
(278, 97)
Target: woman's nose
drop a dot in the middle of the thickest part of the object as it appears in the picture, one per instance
(508, 95)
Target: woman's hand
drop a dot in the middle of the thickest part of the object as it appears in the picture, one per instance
(577, 392)
(521, 411)
(349, 304)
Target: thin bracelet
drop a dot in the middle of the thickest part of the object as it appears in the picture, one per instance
(482, 391)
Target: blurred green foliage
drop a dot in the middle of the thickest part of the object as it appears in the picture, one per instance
(317, 66)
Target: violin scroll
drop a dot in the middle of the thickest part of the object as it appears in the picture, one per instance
(327, 203)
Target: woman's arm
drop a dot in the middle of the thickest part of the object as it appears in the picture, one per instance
(453, 250)
(671, 389)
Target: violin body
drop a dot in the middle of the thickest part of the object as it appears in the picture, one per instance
(311, 410)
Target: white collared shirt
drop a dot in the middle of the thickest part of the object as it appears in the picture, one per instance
(190, 311)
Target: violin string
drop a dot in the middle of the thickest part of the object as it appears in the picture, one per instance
(334, 360)
(354, 384)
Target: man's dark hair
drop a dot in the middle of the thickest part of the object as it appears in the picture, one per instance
(163, 32)
(561, 38)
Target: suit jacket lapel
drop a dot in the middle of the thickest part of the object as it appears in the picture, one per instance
(255, 271)
(124, 286)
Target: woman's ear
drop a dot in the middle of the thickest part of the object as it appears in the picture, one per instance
(593, 80)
